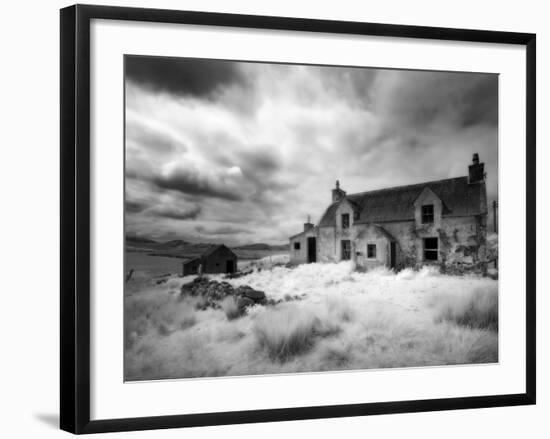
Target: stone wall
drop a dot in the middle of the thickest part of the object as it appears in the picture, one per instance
(327, 250)
(462, 245)
(370, 234)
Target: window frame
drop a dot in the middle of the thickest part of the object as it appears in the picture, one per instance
(371, 247)
(342, 258)
(431, 250)
(296, 246)
(424, 215)
(348, 222)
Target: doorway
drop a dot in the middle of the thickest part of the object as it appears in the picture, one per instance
(392, 255)
(346, 250)
(311, 250)
(230, 266)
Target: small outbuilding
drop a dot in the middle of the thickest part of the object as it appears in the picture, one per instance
(216, 259)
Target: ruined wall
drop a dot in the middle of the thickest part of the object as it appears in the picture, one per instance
(462, 243)
(404, 234)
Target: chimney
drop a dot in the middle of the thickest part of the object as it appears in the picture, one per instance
(337, 193)
(308, 225)
(476, 170)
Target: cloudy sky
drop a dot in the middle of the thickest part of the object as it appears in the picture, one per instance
(234, 152)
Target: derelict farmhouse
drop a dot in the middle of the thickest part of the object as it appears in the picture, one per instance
(438, 222)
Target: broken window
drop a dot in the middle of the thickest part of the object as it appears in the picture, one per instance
(371, 250)
(431, 249)
(346, 250)
(345, 221)
(428, 214)
(296, 246)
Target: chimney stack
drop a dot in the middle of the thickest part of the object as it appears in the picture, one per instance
(308, 225)
(337, 193)
(476, 170)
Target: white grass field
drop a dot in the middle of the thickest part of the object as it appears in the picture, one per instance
(330, 318)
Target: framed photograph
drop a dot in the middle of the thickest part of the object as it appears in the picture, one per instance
(275, 218)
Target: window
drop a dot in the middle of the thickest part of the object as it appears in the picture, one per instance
(346, 250)
(371, 250)
(296, 246)
(431, 246)
(345, 221)
(428, 214)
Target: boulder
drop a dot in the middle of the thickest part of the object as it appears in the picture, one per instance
(251, 293)
(244, 302)
(212, 292)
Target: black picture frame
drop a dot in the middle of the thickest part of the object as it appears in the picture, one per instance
(75, 217)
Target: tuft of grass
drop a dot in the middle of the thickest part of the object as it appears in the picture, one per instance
(477, 309)
(156, 313)
(230, 308)
(340, 309)
(286, 332)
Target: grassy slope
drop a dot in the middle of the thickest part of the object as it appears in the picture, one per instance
(346, 320)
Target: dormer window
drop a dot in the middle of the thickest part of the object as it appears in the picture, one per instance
(345, 221)
(428, 214)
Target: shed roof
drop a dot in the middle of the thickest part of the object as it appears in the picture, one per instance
(209, 251)
(397, 203)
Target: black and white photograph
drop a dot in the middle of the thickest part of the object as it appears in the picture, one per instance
(288, 218)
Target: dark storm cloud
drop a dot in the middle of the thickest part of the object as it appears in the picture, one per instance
(190, 182)
(481, 105)
(419, 99)
(262, 160)
(134, 206)
(183, 76)
(258, 174)
(177, 213)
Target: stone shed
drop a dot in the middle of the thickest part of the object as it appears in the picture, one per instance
(216, 259)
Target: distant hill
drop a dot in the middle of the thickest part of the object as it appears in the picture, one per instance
(262, 246)
(254, 247)
(174, 243)
(178, 248)
(280, 247)
(139, 240)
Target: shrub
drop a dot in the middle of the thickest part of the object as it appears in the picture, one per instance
(230, 308)
(161, 313)
(477, 309)
(285, 332)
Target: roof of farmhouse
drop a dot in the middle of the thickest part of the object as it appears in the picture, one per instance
(397, 203)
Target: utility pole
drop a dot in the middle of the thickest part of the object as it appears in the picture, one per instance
(495, 222)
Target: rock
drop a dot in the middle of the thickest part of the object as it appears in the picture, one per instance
(244, 302)
(212, 292)
(238, 274)
(251, 293)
